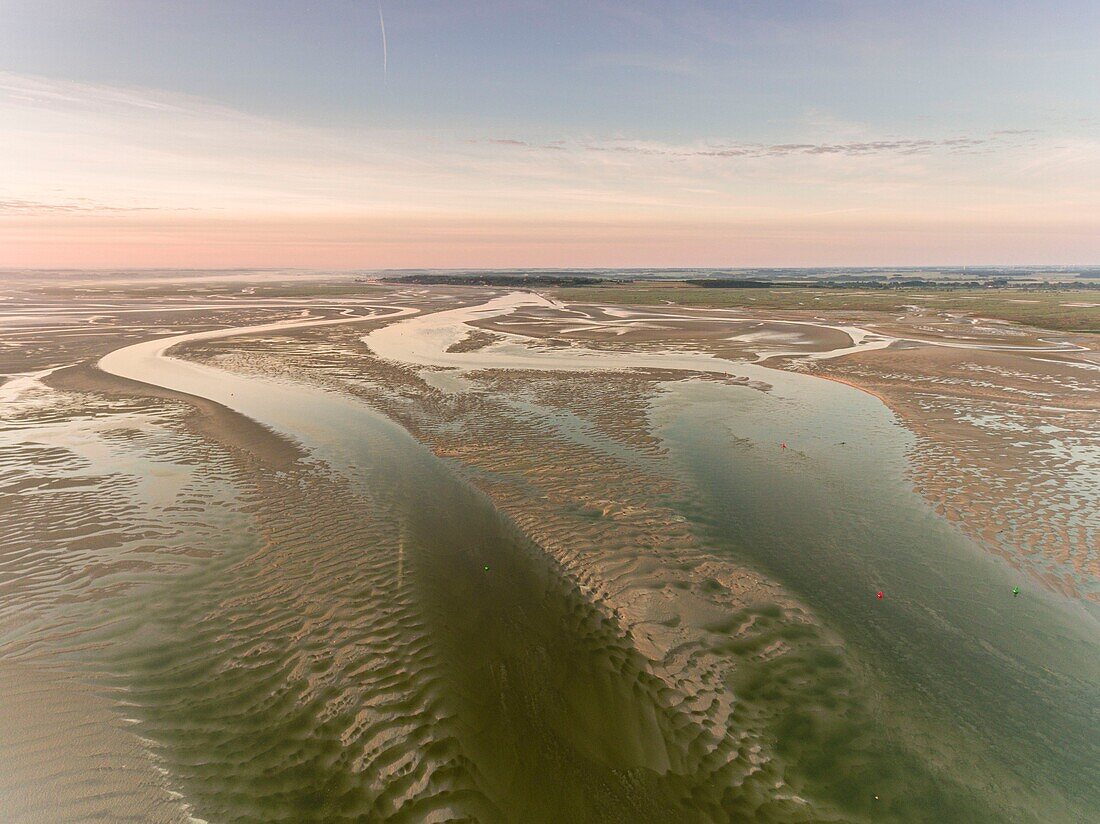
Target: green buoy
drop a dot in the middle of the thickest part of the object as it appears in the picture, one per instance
(1015, 591)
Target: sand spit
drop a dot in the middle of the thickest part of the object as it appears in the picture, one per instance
(215, 422)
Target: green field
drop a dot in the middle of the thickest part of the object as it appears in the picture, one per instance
(1046, 309)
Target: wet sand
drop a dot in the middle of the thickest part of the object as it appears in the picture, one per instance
(1005, 415)
(68, 756)
(493, 464)
(1006, 448)
(461, 583)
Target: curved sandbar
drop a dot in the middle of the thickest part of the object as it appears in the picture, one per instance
(147, 361)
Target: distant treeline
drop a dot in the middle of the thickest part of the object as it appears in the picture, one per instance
(542, 280)
(896, 283)
(732, 283)
(496, 280)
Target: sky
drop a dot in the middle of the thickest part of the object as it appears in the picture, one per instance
(270, 133)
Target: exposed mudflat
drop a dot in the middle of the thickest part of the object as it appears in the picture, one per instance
(458, 554)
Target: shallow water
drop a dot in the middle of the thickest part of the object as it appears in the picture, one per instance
(375, 640)
(1005, 687)
(832, 518)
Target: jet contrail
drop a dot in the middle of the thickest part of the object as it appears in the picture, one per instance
(385, 51)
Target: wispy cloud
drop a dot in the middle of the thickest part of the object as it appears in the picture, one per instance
(76, 205)
(46, 92)
(906, 146)
(191, 180)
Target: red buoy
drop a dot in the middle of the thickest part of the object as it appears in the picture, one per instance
(878, 595)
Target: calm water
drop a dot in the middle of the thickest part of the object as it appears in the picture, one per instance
(1005, 690)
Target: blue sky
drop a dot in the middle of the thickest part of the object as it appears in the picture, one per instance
(733, 70)
(483, 100)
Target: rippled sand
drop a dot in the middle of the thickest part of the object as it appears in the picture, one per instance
(1008, 448)
(347, 588)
